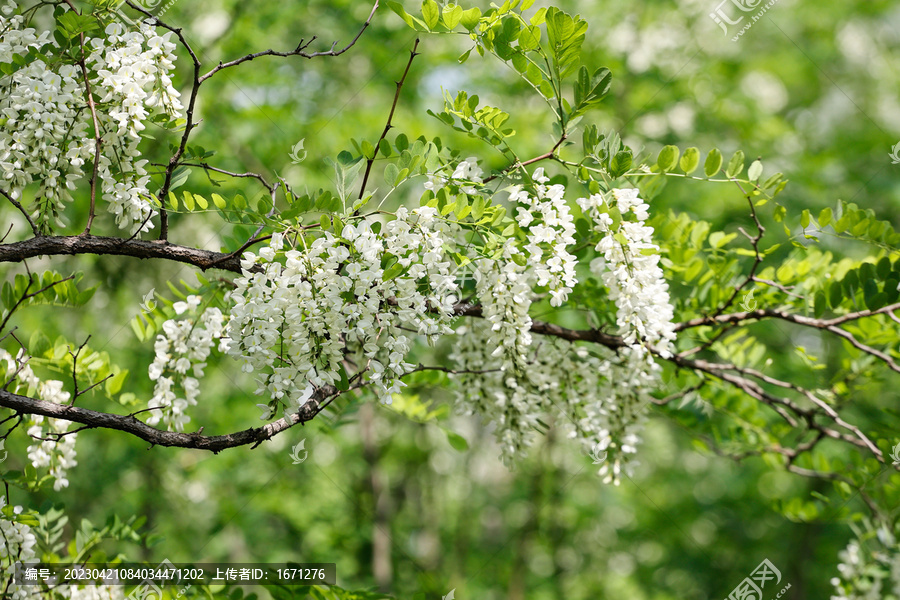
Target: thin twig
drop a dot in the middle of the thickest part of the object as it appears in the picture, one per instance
(34, 227)
(298, 51)
(387, 127)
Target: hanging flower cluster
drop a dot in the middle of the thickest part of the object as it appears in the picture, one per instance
(872, 574)
(556, 379)
(465, 174)
(47, 134)
(343, 301)
(629, 267)
(181, 353)
(551, 229)
(517, 380)
(504, 287)
(57, 456)
(17, 544)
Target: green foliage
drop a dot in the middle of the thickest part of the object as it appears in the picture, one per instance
(812, 266)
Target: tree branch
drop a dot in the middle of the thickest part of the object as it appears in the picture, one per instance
(387, 127)
(90, 244)
(34, 227)
(298, 51)
(129, 424)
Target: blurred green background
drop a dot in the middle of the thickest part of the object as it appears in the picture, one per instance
(812, 88)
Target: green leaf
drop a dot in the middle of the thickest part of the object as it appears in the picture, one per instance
(690, 160)
(668, 158)
(391, 173)
(471, 18)
(393, 271)
(717, 239)
(530, 38)
(820, 304)
(835, 294)
(478, 208)
(188, 200)
(114, 384)
(735, 165)
(620, 163)
(457, 441)
(713, 162)
(219, 201)
(407, 18)
(343, 384)
(179, 178)
(755, 170)
(539, 17)
(452, 15)
(72, 24)
(39, 343)
(431, 13)
(883, 268)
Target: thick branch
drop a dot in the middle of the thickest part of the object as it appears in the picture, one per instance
(89, 244)
(129, 424)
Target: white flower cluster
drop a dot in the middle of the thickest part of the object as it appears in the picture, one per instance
(300, 322)
(515, 381)
(872, 575)
(47, 136)
(613, 420)
(630, 268)
(92, 592)
(504, 288)
(44, 453)
(181, 352)
(133, 81)
(44, 136)
(549, 223)
(555, 378)
(466, 171)
(17, 544)
(597, 397)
